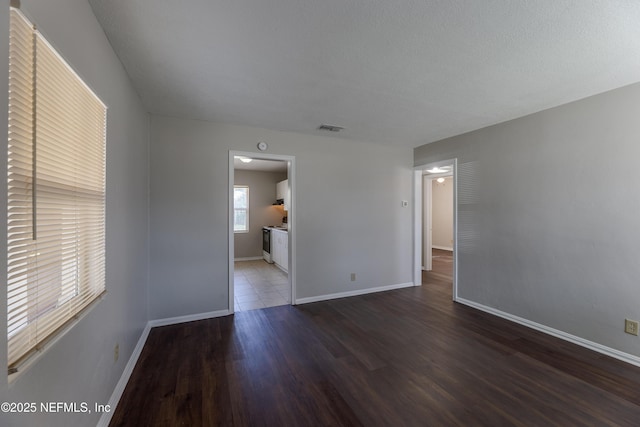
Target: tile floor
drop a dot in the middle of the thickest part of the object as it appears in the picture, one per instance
(259, 284)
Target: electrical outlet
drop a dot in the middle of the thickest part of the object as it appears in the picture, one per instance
(353, 277)
(631, 326)
(116, 353)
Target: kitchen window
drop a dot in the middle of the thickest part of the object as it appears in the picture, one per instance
(55, 195)
(240, 209)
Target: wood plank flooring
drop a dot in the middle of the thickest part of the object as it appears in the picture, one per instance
(441, 268)
(409, 357)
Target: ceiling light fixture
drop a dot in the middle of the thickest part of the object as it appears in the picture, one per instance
(244, 159)
(438, 169)
(440, 180)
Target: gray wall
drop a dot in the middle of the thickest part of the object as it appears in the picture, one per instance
(80, 367)
(262, 194)
(548, 216)
(369, 233)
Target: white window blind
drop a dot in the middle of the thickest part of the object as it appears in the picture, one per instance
(56, 194)
(240, 208)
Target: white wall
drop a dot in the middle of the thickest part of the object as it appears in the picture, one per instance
(262, 194)
(548, 216)
(80, 367)
(442, 214)
(362, 184)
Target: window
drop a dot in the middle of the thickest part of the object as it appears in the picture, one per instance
(240, 209)
(55, 194)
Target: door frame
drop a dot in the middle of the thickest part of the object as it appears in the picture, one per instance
(291, 218)
(427, 222)
(418, 184)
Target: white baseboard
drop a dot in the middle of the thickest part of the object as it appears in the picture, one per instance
(608, 351)
(352, 293)
(188, 318)
(281, 268)
(105, 419)
(249, 258)
(444, 248)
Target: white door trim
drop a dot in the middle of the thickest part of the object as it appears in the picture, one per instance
(418, 220)
(291, 218)
(427, 222)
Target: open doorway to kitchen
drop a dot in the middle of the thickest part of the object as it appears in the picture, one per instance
(261, 228)
(435, 225)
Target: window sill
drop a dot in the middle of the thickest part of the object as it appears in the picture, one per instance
(31, 360)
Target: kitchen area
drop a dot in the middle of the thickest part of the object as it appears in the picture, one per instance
(275, 239)
(261, 240)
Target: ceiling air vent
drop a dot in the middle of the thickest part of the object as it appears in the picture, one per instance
(330, 128)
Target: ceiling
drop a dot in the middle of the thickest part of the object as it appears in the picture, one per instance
(260, 165)
(403, 72)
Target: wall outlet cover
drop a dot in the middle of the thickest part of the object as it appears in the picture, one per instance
(631, 326)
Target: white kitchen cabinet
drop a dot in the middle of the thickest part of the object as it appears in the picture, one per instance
(276, 247)
(280, 248)
(281, 189)
(285, 252)
(282, 192)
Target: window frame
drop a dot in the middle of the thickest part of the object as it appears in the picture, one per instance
(67, 213)
(245, 209)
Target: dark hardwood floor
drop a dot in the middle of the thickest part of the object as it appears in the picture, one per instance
(441, 268)
(399, 358)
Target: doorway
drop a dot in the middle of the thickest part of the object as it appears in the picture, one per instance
(435, 224)
(261, 209)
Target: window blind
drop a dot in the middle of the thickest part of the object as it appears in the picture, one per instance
(240, 209)
(56, 193)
